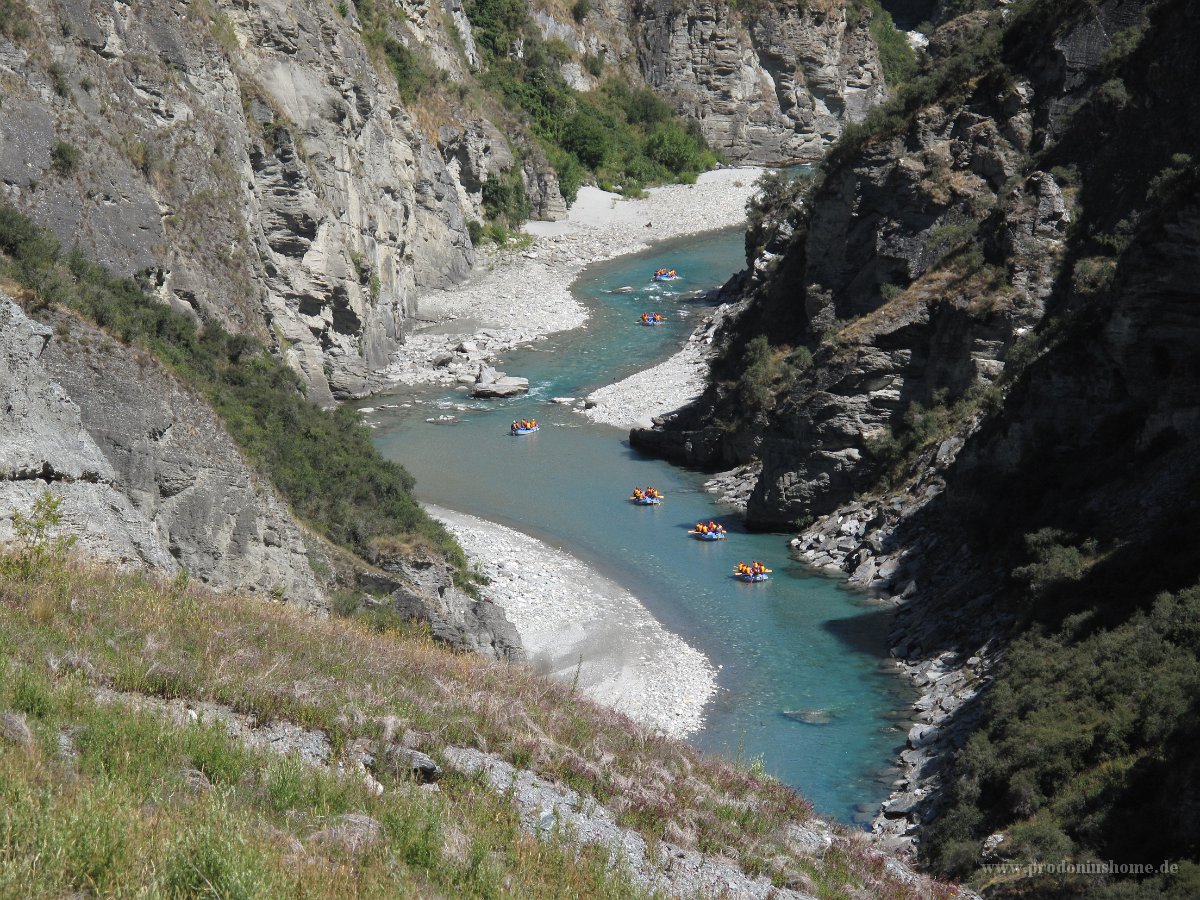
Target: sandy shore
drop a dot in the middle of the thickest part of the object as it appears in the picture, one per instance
(518, 296)
(578, 626)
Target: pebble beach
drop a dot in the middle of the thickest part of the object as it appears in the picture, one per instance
(518, 296)
(580, 627)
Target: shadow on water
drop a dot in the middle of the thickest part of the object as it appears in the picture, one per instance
(793, 644)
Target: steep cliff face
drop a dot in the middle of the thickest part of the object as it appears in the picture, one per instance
(43, 443)
(147, 475)
(773, 82)
(253, 159)
(993, 421)
(909, 270)
(260, 164)
(149, 478)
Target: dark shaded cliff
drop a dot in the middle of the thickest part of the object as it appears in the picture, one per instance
(967, 364)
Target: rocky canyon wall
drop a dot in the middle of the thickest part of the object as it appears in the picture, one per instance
(765, 82)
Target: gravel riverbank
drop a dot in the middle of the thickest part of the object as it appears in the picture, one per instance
(519, 296)
(579, 626)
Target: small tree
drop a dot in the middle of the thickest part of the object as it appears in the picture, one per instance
(36, 532)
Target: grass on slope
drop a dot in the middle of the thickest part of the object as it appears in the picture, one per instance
(121, 816)
(321, 461)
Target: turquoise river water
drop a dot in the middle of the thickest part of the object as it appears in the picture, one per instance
(796, 643)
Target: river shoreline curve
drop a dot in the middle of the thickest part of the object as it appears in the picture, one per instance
(580, 627)
(575, 624)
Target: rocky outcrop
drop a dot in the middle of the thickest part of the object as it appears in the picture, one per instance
(44, 446)
(422, 588)
(491, 384)
(1003, 371)
(146, 474)
(775, 82)
(173, 460)
(149, 478)
(254, 161)
(883, 271)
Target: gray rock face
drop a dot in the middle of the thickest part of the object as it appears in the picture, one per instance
(413, 764)
(490, 384)
(545, 807)
(254, 162)
(867, 272)
(14, 730)
(171, 457)
(423, 589)
(44, 445)
(774, 83)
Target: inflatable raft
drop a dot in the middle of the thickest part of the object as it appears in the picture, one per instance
(665, 277)
(708, 535)
(646, 501)
(652, 321)
(525, 430)
(747, 577)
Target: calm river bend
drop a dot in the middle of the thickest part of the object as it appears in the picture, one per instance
(797, 643)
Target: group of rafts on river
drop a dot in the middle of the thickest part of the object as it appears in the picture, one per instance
(658, 318)
(704, 531)
(651, 496)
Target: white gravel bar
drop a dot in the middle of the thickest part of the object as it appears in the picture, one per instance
(519, 296)
(578, 626)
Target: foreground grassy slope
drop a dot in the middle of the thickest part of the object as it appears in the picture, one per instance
(106, 799)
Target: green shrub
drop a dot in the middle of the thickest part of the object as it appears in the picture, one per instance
(800, 359)
(622, 137)
(504, 199)
(497, 26)
(64, 157)
(588, 137)
(672, 147)
(1067, 176)
(896, 55)
(1087, 733)
(593, 64)
(580, 9)
(946, 239)
(1113, 94)
(414, 75)
(1166, 184)
(58, 79)
(14, 20)
(1056, 559)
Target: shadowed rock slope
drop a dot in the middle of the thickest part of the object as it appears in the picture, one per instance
(966, 361)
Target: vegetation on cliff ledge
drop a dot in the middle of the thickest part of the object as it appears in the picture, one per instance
(622, 136)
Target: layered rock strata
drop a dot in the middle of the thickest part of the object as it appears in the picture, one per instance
(775, 82)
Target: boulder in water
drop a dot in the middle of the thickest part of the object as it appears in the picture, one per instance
(507, 386)
(810, 716)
